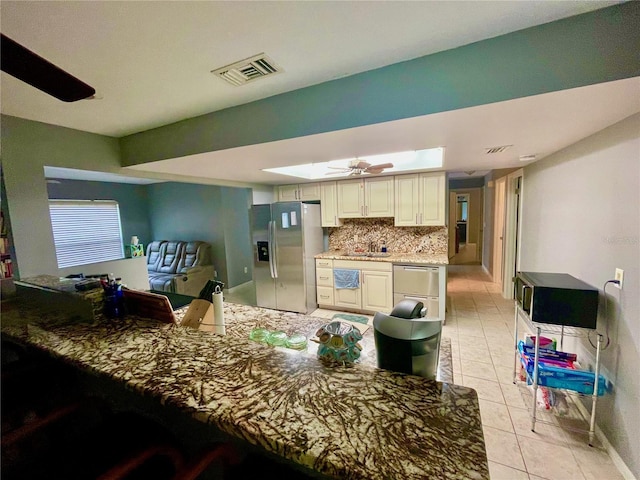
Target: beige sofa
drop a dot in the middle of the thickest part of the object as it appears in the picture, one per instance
(179, 267)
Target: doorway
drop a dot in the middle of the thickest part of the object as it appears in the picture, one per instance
(465, 222)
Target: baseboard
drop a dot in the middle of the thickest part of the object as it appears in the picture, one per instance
(486, 270)
(615, 457)
(238, 287)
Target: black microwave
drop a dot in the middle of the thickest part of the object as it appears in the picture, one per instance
(557, 298)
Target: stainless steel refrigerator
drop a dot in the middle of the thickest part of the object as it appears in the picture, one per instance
(286, 236)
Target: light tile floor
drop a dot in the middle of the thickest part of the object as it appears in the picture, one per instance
(480, 325)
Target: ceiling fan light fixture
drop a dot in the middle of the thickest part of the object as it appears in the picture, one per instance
(372, 164)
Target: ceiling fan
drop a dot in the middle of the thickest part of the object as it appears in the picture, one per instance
(358, 167)
(31, 68)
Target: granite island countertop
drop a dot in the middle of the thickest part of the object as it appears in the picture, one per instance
(436, 259)
(344, 422)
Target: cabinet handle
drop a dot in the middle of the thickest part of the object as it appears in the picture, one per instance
(366, 211)
(416, 219)
(324, 296)
(335, 220)
(324, 278)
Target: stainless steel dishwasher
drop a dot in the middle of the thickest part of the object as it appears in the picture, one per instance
(417, 283)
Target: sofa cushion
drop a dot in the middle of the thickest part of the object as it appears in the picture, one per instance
(153, 255)
(170, 255)
(195, 254)
(162, 281)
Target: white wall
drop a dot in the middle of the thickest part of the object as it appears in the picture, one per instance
(581, 216)
(133, 271)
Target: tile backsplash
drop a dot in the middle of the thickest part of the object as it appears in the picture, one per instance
(359, 233)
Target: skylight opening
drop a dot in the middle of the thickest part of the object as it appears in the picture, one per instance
(402, 161)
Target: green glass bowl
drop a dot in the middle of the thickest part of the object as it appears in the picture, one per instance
(259, 335)
(277, 338)
(297, 341)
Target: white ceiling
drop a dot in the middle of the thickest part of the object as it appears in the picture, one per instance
(151, 61)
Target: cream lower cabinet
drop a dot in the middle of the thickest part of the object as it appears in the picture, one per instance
(374, 294)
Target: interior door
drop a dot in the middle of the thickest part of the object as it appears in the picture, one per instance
(498, 229)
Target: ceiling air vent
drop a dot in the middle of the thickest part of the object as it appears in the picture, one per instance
(247, 70)
(499, 149)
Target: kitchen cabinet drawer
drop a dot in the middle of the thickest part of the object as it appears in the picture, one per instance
(432, 303)
(325, 295)
(324, 263)
(416, 280)
(324, 277)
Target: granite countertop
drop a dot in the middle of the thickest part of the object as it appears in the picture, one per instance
(344, 422)
(392, 257)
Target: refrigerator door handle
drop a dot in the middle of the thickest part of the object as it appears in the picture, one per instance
(272, 249)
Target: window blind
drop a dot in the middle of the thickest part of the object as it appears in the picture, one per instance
(86, 231)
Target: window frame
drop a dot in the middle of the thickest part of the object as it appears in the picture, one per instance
(77, 236)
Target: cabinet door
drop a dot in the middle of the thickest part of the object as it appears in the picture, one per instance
(432, 186)
(378, 197)
(377, 291)
(407, 191)
(347, 297)
(350, 198)
(329, 204)
(309, 191)
(287, 193)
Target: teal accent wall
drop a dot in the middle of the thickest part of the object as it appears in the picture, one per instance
(236, 204)
(27, 147)
(594, 47)
(218, 215)
(133, 202)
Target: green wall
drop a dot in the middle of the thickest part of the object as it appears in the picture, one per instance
(595, 47)
(213, 214)
(28, 146)
(133, 202)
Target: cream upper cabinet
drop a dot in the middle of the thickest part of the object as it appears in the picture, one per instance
(329, 204)
(304, 191)
(369, 197)
(420, 199)
(350, 198)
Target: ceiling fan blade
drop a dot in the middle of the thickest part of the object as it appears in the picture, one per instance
(381, 166)
(31, 68)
